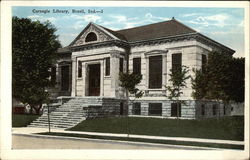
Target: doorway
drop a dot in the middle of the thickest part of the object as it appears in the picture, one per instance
(94, 80)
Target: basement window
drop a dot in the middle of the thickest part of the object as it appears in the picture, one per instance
(136, 108)
(155, 109)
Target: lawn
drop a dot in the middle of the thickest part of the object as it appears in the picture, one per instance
(227, 128)
(22, 120)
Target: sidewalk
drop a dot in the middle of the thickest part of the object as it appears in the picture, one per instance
(31, 130)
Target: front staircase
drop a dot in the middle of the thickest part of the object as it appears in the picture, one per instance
(68, 114)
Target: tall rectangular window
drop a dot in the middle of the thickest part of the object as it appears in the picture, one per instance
(107, 67)
(65, 78)
(137, 65)
(176, 62)
(155, 72)
(53, 75)
(155, 109)
(136, 108)
(203, 62)
(79, 69)
(175, 108)
(121, 65)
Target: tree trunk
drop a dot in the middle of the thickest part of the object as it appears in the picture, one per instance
(38, 108)
(31, 108)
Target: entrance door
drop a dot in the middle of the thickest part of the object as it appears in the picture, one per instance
(94, 80)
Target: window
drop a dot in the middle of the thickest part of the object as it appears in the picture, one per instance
(176, 62)
(214, 109)
(175, 109)
(155, 72)
(203, 62)
(53, 75)
(65, 78)
(155, 109)
(121, 65)
(91, 37)
(224, 109)
(107, 68)
(79, 69)
(137, 65)
(202, 109)
(136, 108)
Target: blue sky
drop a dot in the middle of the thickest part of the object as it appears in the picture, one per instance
(225, 25)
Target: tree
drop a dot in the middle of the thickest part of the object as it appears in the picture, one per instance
(34, 46)
(129, 82)
(178, 79)
(222, 79)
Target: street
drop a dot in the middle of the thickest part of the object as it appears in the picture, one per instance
(42, 142)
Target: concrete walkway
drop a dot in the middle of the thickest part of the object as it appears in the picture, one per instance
(31, 130)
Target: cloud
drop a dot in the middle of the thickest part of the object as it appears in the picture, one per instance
(189, 15)
(91, 18)
(129, 22)
(41, 18)
(219, 20)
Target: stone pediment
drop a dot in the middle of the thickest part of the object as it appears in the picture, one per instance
(92, 34)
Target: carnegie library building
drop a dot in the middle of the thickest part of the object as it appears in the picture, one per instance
(87, 70)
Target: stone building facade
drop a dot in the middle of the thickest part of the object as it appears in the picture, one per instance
(90, 66)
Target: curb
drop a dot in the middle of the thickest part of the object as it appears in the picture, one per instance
(183, 147)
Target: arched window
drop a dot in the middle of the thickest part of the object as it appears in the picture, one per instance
(91, 37)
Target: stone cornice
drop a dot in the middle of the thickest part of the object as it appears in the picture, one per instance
(99, 45)
(206, 40)
(192, 36)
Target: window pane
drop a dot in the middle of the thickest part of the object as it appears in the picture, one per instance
(155, 72)
(107, 71)
(155, 109)
(137, 65)
(174, 110)
(79, 69)
(136, 108)
(176, 62)
(65, 78)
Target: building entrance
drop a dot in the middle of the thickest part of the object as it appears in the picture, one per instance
(94, 80)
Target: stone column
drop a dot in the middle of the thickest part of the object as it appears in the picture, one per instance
(73, 91)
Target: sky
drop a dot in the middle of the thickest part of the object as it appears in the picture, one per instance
(224, 25)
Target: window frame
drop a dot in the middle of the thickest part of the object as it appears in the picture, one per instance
(174, 105)
(152, 73)
(137, 65)
(151, 105)
(176, 66)
(107, 66)
(89, 37)
(136, 108)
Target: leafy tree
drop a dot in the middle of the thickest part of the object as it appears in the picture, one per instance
(178, 79)
(34, 46)
(221, 79)
(129, 82)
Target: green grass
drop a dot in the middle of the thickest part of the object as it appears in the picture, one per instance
(226, 128)
(200, 144)
(22, 120)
